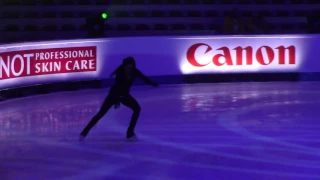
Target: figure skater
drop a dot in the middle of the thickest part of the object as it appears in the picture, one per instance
(119, 93)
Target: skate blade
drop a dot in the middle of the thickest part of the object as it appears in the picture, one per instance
(81, 138)
(133, 139)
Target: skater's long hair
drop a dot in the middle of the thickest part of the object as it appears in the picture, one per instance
(126, 61)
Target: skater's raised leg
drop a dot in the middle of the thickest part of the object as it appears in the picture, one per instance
(107, 104)
(131, 103)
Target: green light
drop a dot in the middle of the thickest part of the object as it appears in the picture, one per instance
(104, 15)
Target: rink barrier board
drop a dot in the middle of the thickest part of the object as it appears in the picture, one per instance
(21, 92)
(175, 59)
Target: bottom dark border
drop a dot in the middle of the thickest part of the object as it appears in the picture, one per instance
(185, 79)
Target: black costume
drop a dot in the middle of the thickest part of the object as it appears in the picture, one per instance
(119, 93)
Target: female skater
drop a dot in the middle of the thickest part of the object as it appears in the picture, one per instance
(119, 93)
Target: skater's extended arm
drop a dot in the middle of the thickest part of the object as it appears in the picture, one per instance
(115, 71)
(145, 79)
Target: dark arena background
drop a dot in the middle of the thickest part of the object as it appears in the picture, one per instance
(238, 95)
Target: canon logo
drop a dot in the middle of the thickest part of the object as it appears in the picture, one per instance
(263, 55)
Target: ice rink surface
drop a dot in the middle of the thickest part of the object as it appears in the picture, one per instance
(251, 131)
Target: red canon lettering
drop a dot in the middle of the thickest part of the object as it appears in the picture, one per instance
(192, 52)
(264, 55)
(270, 55)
